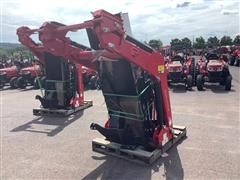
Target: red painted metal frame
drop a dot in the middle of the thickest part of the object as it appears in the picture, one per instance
(113, 45)
(24, 34)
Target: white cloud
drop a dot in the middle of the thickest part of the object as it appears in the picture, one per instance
(149, 19)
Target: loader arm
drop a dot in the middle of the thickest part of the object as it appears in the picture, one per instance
(108, 42)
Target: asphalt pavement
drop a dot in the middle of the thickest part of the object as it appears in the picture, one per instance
(60, 148)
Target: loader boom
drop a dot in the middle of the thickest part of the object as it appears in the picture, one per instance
(132, 73)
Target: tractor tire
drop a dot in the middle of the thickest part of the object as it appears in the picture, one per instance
(21, 83)
(238, 62)
(193, 72)
(2, 84)
(13, 82)
(199, 82)
(232, 61)
(228, 83)
(195, 76)
(221, 83)
(37, 80)
(32, 82)
(189, 82)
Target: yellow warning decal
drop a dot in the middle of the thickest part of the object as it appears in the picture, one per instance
(161, 68)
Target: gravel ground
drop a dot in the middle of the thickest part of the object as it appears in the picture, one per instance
(60, 148)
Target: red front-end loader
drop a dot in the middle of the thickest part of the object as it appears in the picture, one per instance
(133, 80)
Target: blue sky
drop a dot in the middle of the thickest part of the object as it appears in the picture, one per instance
(152, 19)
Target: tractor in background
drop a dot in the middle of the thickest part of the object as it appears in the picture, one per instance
(181, 70)
(32, 75)
(214, 69)
(10, 74)
(235, 57)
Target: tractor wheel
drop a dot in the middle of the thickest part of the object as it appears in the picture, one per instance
(37, 80)
(232, 61)
(237, 62)
(169, 84)
(2, 84)
(193, 72)
(21, 83)
(228, 83)
(195, 76)
(199, 82)
(32, 82)
(189, 82)
(13, 82)
(221, 83)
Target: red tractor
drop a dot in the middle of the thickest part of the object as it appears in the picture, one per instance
(235, 58)
(10, 74)
(224, 51)
(30, 75)
(213, 69)
(181, 70)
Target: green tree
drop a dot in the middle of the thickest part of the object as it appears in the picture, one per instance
(155, 43)
(176, 44)
(236, 40)
(3, 55)
(213, 42)
(199, 43)
(226, 41)
(186, 43)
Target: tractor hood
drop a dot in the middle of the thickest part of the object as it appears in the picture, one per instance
(30, 70)
(4, 70)
(10, 71)
(215, 65)
(175, 66)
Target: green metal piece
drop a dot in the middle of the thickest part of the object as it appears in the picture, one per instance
(126, 113)
(124, 117)
(54, 81)
(127, 96)
(40, 85)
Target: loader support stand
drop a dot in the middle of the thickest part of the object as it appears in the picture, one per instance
(138, 155)
(61, 112)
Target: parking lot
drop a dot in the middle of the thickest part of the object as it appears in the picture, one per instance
(60, 148)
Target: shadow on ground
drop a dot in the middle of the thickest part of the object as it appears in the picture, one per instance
(178, 88)
(216, 88)
(48, 125)
(115, 168)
